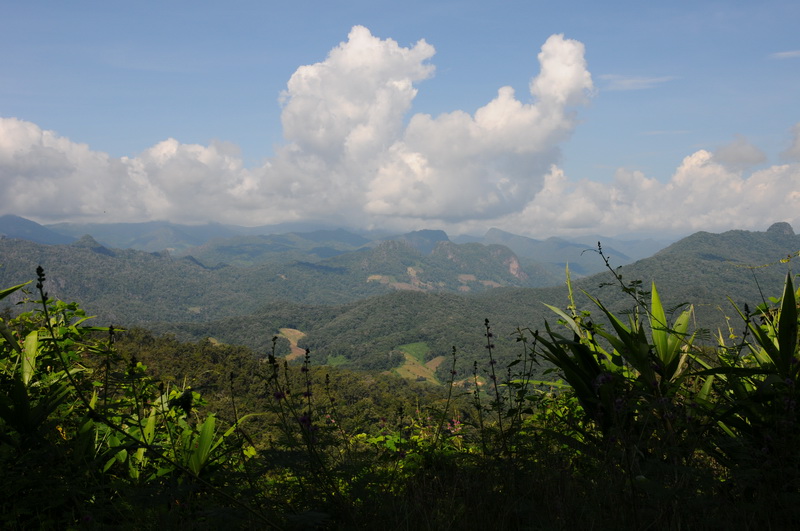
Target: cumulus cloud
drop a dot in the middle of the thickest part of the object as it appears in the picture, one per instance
(355, 156)
(458, 166)
(739, 154)
(51, 178)
(350, 155)
(702, 194)
(793, 153)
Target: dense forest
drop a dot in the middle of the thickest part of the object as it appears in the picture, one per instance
(610, 402)
(362, 306)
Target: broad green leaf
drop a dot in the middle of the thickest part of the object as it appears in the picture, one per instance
(787, 327)
(8, 291)
(768, 353)
(9, 337)
(669, 342)
(29, 356)
(705, 391)
(149, 430)
(202, 445)
(109, 463)
(630, 342)
(569, 321)
(658, 327)
(577, 370)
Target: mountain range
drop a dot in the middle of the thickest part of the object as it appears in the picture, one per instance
(214, 244)
(363, 300)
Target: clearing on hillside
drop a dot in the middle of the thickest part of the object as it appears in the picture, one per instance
(293, 336)
(414, 367)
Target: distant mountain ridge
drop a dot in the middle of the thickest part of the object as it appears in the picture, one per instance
(703, 269)
(582, 258)
(24, 229)
(130, 286)
(250, 250)
(425, 241)
(146, 236)
(214, 245)
(355, 305)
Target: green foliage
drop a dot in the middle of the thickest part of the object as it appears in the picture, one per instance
(418, 350)
(658, 400)
(611, 419)
(365, 321)
(73, 423)
(158, 287)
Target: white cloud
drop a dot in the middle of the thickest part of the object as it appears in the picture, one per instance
(793, 153)
(51, 178)
(353, 103)
(666, 132)
(739, 154)
(457, 166)
(620, 82)
(702, 194)
(353, 156)
(791, 54)
(349, 156)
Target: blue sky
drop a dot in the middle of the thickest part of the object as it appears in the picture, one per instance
(669, 117)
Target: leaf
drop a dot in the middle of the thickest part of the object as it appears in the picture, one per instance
(8, 291)
(667, 342)
(29, 356)
(787, 327)
(658, 326)
(569, 321)
(203, 445)
(9, 337)
(705, 391)
(630, 342)
(109, 463)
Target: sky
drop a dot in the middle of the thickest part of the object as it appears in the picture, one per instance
(541, 118)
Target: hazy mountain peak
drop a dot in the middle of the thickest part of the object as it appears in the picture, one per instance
(781, 228)
(21, 228)
(88, 242)
(425, 241)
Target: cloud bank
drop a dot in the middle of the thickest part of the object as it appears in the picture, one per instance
(702, 194)
(354, 155)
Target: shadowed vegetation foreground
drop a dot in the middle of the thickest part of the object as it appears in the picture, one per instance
(636, 424)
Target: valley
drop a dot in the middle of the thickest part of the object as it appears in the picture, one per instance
(364, 304)
(405, 364)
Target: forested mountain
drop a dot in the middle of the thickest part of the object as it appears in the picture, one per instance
(365, 304)
(25, 229)
(556, 252)
(249, 250)
(149, 236)
(163, 235)
(129, 287)
(703, 269)
(214, 244)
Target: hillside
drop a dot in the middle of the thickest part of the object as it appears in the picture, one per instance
(703, 269)
(150, 236)
(250, 250)
(556, 252)
(214, 244)
(129, 287)
(360, 307)
(25, 229)
(707, 268)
